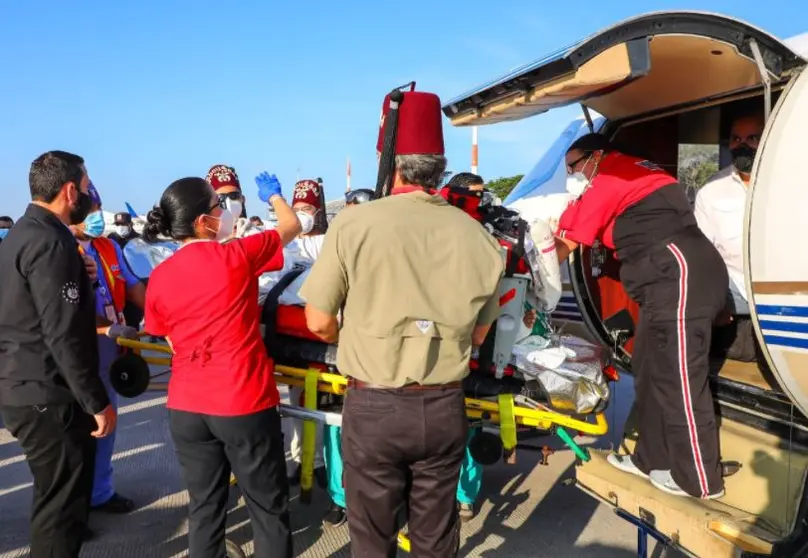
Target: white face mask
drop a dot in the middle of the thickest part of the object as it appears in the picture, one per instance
(306, 222)
(123, 230)
(235, 207)
(225, 229)
(577, 182)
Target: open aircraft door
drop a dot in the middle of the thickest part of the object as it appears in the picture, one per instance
(776, 266)
(654, 78)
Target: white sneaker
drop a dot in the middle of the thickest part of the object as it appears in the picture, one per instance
(664, 482)
(625, 464)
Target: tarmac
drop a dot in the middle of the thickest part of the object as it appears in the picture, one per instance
(525, 510)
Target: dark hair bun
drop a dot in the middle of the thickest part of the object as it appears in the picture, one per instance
(157, 224)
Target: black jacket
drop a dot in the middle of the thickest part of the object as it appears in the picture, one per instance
(48, 345)
(122, 240)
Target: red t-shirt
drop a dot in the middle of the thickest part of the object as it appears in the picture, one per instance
(205, 299)
(621, 182)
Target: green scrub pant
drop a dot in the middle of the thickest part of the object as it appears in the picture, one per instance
(468, 489)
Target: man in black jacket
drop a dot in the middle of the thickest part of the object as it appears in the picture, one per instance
(51, 395)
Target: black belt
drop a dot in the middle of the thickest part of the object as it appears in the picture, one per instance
(353, 383)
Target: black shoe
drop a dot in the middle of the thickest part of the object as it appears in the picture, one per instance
(335, 516)
(117, 504)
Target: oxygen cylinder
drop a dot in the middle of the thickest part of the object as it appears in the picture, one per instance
(548, 283)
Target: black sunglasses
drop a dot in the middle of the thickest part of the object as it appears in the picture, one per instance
(235, 196)
(359, 196)
(219, 203)
(571, 165)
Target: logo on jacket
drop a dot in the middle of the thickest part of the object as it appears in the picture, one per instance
(423, 325)
(70, 292)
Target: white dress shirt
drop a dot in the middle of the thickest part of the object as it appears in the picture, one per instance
(720, 206)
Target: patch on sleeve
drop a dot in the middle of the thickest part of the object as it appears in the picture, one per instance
(423, 325)
(70, 292)
(650, 166)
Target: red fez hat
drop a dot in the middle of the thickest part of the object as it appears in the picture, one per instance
(420, 125)
(220, 176)
(307, 191)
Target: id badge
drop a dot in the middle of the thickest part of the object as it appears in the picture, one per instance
(112, 315)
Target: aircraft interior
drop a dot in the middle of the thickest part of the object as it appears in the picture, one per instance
(759, 426)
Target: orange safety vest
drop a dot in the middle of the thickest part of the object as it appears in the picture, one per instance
(112, 272)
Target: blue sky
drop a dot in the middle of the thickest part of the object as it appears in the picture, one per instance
(152, 91)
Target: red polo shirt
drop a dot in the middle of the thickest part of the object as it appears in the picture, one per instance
(621, 182)
(205, 299)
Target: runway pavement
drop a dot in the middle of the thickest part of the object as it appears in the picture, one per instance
(525, 509)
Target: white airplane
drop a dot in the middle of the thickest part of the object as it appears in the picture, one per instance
(660, 81)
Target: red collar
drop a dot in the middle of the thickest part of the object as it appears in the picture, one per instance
(409, 190)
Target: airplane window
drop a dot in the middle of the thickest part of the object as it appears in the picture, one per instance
(697, 163)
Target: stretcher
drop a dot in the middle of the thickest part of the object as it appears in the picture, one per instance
(509, 412)
(505, 393)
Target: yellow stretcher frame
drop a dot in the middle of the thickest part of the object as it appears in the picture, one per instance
(504, 412)
(479, 409)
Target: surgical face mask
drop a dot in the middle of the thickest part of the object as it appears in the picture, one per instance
(94, 224)
(4, 233)
(743, 157)
(225, 229)
(306, 222)
(235, 207)
(577, 182)
(123, 230)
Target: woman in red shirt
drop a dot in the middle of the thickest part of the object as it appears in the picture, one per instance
(222, 397)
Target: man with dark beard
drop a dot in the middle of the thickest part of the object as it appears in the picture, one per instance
(51, 395)
(719, 210)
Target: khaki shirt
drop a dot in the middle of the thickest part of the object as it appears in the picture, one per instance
(415, 275)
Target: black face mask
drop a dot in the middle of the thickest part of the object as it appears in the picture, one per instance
(79, 213)
(743, 157)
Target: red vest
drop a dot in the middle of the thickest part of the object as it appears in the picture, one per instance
(112, 272)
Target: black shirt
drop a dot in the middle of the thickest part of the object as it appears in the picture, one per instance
(48, 344)
(122, 240)
(654, 220)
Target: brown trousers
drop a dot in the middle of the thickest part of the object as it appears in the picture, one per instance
(402, 452)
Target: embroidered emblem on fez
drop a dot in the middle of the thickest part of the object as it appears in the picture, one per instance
(70, 292)
(302, 190)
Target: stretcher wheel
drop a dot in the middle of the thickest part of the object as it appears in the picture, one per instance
(130, 375)
(486, 448)
(233, 550)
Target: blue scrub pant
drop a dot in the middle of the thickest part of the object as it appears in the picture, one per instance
(105, 447)
(468, 489)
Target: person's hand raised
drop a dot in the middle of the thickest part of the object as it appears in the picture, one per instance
(268, 186)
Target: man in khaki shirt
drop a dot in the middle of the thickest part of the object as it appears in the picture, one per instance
(417, 281)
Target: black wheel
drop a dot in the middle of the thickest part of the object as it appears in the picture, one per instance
(130, 375)
(233, 550)
(486, 448)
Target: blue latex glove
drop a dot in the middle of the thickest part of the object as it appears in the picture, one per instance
(268, 186)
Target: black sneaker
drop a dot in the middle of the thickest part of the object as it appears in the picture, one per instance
(335, 516)
(117, 504)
